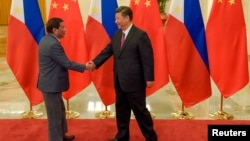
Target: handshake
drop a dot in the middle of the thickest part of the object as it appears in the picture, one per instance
(90, 66)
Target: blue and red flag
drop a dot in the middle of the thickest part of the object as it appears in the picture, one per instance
(100, 28)
(187, 52)
(25, 29)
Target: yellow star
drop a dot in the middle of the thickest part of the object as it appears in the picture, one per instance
(17, 10)
(65, 7)
(136, 2)
(54, 5)
(147, 3)
(231, 2)
(95, 10)
(220, 1)
(177, 9)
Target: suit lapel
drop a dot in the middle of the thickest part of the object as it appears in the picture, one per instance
(127, 40)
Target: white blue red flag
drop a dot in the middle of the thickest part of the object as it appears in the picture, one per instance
(187, 51)
(25, 29)
(100, 28)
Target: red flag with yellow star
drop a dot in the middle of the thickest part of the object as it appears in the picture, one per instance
(74, 42)
(147, 17)
(227, 46)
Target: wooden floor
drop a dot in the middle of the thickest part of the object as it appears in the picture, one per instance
(164, 104)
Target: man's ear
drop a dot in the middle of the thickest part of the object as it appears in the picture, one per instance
(54, 30)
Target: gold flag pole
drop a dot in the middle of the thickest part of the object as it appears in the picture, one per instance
(31, 114)
(182, 114)
(105, 114)
(221, 114)
(71, 114)
(153, 115)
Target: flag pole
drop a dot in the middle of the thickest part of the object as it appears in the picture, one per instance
(71, 114)
(31, 114)
(221, 114)
(182, 114)
(106, 114)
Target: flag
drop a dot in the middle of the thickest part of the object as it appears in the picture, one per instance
(23, 36)
(187, 52)
(74, 42)
(147, 17)
(227, 46)
(100, 28)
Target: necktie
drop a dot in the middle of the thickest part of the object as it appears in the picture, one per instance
(122, 39)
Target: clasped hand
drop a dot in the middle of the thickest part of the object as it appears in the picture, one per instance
(90, 66)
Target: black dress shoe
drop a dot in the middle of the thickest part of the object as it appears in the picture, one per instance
(113, 140)
(68, 138)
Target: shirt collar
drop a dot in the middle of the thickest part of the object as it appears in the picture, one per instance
(127, 30)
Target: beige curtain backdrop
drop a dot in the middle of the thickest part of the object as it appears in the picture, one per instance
(5, 10)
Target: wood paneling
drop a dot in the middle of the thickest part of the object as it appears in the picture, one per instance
(5, 10)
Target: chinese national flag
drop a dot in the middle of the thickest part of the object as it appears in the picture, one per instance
(23, 36)
(227, 46)
(147, 17)
(100, 28)
(74, 42)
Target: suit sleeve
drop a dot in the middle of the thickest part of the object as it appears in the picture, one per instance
(103, 56)
(147, 58)
(58, 54)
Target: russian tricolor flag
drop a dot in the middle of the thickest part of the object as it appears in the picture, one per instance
(187, 52)
(25, 29)
(100, 28)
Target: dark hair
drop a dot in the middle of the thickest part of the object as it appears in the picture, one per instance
(125, 11)
(53, 23)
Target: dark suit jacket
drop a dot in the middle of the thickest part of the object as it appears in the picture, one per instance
(134, 63)
(54, 65)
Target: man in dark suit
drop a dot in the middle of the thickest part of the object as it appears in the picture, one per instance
(53, 78)
(133, 72)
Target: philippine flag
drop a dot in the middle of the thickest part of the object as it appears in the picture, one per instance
(25, 29)
(187, 52)
(100, 28)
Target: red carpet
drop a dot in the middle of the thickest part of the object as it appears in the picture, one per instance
(104, 129)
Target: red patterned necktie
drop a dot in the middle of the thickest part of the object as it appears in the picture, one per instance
(122, 39)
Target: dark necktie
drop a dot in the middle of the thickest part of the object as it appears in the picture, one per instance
(122, 39)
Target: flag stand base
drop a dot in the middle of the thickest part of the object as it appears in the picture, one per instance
(153, 115)
(182, 115)
(31, 115)
(105, 115)
(221, 115)
(72, 114)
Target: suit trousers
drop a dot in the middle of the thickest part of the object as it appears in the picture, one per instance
(56, 115)
(135, 101)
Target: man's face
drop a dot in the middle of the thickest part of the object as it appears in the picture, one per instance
(60, 32)
(121, 21)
